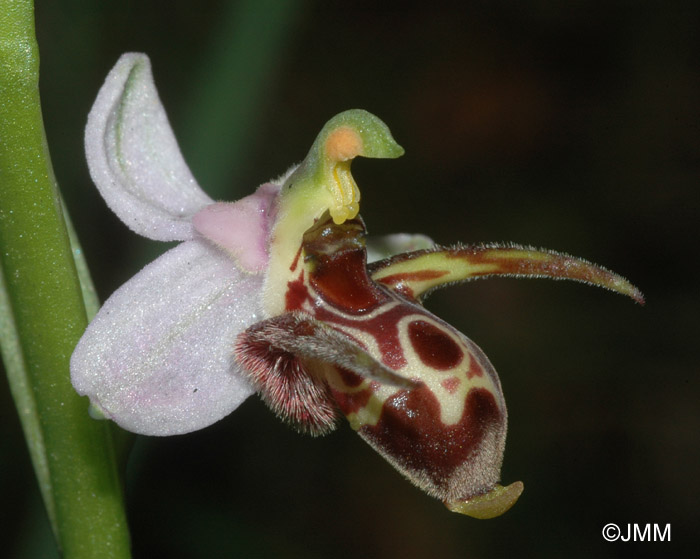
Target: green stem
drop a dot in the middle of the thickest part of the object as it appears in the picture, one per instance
(44, 315)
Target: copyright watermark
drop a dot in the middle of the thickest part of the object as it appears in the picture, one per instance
(637, 532)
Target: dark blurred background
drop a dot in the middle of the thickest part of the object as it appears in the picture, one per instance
(568, 125)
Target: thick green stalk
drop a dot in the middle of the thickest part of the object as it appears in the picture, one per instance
(45, 315)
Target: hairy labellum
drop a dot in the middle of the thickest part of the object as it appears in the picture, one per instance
(421, 393)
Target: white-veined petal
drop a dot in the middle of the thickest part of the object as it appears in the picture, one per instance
(134, 158)
(157, 359)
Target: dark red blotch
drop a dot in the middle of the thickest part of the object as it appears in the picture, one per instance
(410, 431)
(434, 347)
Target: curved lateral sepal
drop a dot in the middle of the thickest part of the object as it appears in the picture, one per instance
(413, 274)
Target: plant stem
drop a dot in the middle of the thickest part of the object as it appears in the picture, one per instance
(44, 316)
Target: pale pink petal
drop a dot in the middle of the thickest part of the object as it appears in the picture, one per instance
(157, 358)
(241, 228)
(134, 158)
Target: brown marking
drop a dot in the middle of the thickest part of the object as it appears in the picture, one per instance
(341, 280)
(409, 432)
(337, 262)
(475, 369)
(419, 275)
(350, 379)
(405, 291)
(297, 293)
(451, 384)
(351, 402)
(401, 282)
(505, 266)
(434, 347)
(383, 328)
(296, 260)
(336, 258)
(547, 264)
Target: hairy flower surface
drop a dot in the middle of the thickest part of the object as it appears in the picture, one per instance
(274, 294)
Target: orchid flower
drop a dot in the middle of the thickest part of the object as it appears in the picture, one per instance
(274, 294)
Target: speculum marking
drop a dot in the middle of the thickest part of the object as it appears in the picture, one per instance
(434, 347)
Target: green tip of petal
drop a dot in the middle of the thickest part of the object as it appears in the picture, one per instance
(491, 504)
(324, 179)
